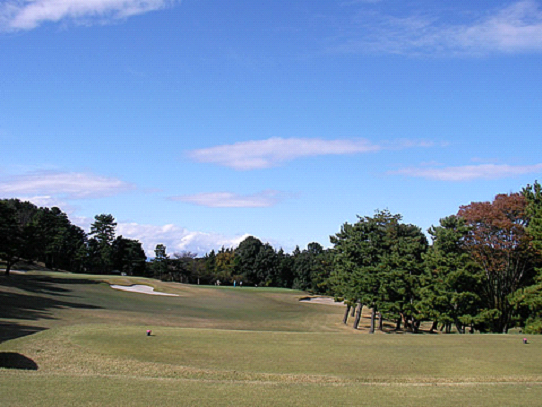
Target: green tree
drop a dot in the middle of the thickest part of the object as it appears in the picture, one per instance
(59, 244)
(359, 250)
(378, 263)
(184, 267)
(401, 267)
(533, 196)
(128, 256)
(103, 234)
(528, 300)
(210, 265)
(285, 272)
(11, 242)
(160, 262)
(26, 214)
(247, 261)
(451, 282)
(266, 266)
(312, 268)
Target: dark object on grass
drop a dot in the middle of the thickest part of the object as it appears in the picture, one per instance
(149, 332)
(10, 360)
(525, 341)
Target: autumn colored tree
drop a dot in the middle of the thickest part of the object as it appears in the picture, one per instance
(499, 243)
(225, 263)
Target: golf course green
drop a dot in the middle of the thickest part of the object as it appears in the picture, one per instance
(72, 340)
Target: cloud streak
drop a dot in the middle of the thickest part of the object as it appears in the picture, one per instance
(516, 28)
(470, 172)
(72, 185)
(28, 14)
(259, 154)
(262, 199)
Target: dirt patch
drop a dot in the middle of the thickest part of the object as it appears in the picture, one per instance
(321, 300)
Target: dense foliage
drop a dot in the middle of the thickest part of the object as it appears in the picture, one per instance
(481, 271)
(46, 235)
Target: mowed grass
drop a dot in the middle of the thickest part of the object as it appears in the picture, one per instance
(236, 347)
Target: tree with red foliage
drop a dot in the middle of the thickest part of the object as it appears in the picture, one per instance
(499, 243)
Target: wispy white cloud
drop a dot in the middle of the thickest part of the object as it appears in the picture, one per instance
(257, 154)
(249, 155)
(232, 200)
(47, 201)
(176, 238)
(70, 185)
(28, 14)
(514, 28)
(470, 172)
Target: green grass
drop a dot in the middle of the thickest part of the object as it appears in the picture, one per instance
(220, 346)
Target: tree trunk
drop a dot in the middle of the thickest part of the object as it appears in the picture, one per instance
(398, 323)
(358, 315)
(9, 263)
(380, 321)
(373, 315)
(459, 327)
(353, 312)
(345, 319)
(406, 323)
(434, 326)
(415, 326)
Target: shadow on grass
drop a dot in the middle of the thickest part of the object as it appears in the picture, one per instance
(42, 284)
(11, 360)
(13, 330)
(34, 298)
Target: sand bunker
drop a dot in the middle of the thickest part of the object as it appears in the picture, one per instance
(321, 300)
(141, 289)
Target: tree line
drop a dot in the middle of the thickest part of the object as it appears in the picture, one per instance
(252, 263)
(47, 236)
(481, 271)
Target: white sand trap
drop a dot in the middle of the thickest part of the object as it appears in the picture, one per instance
(321, 300)
(141, 289)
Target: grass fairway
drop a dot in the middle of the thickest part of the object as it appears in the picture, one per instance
(222, 346)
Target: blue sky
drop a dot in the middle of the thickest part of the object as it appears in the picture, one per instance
(199, 122)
